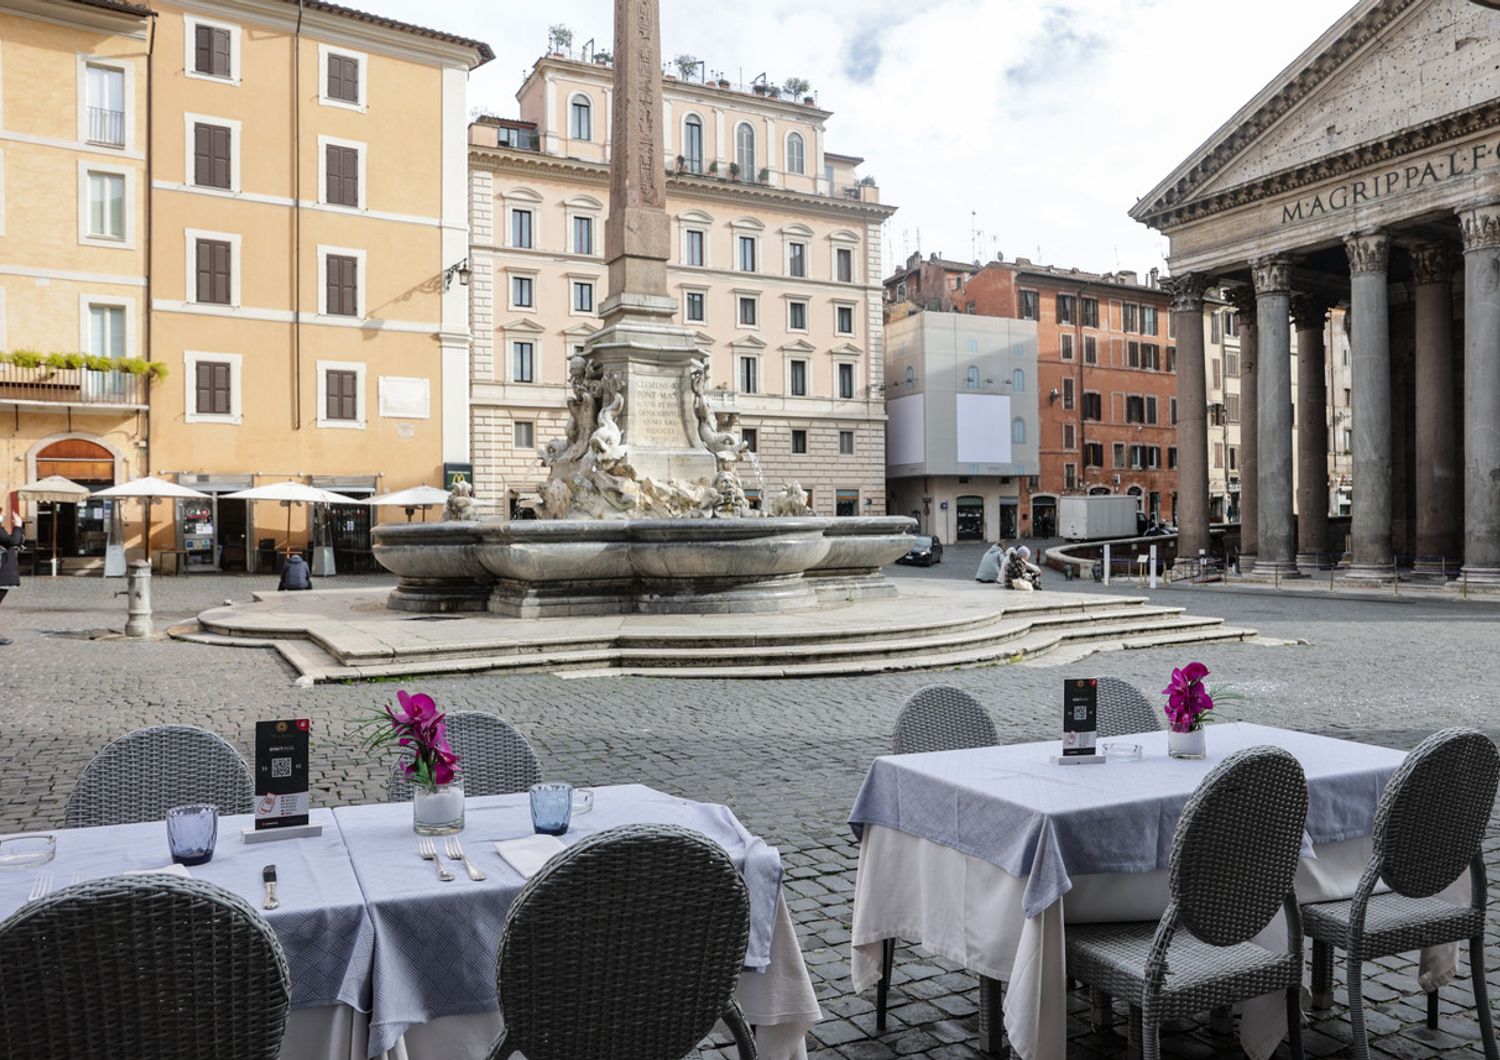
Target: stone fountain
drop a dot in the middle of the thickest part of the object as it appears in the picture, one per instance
(642, 509)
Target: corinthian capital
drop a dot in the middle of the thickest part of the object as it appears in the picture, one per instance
(1481, 227)
(1309, 310)
(1186, 291)
(1242, 297)
(1271, 275)
(1368, 252)
(1433, 263)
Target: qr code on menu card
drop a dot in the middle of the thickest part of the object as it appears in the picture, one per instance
(281, 767)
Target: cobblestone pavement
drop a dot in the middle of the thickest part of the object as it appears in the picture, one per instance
(787, 756)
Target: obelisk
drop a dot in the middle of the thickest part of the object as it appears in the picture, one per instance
(640, 341)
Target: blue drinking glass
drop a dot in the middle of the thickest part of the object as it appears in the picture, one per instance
(551, 808)
(192, 832)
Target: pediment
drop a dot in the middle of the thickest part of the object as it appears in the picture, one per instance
(580, 329)
(1387, 66)
(799, 346)
(703, 338)
(751, 341)
(524, 324)
(847, 349)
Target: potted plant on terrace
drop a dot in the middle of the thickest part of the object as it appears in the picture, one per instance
(797, 86)
(764, 176)
(734, 171)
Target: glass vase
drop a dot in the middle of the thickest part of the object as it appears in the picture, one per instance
(1190, 744)
(438, 812)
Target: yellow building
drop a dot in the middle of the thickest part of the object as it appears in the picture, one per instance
(776, 263)
(298, 226)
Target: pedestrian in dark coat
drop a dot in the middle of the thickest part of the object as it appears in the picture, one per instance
(10, 563)
(295, 574)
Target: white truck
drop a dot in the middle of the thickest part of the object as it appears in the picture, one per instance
(1098, 518)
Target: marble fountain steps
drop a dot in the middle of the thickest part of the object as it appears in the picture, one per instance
(339, 635)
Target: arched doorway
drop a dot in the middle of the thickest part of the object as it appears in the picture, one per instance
(82, 529)
(969, 522)
(1043, 515)
(1099, 491)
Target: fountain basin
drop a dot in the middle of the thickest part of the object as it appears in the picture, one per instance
(543, 568)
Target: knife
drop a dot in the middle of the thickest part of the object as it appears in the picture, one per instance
(269, 875)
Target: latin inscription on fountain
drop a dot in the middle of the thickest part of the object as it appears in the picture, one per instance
(653, 412)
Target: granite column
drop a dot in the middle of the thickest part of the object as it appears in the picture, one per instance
(1439, 480)
(1277, 537)
(1192, 415)
(1481, 231)
(1370, 340)
(1310, 313)
(1244, 304)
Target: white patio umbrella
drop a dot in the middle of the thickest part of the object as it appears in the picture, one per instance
(292, 493)
(55, 490)
(146, 489)
(423, 496)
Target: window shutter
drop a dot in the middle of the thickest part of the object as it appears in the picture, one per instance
(221, 53)
(203, 154)
(213, 271)
(205, 271)
(219, 150)
(205, 387)
(343, 175)
(203, 60)
(343, 285)
(220, 385)
(348, 398)
(343, 78)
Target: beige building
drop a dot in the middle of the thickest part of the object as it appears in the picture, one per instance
(283, 245)
(776, 263)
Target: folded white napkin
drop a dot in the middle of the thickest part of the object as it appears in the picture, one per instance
(529, 853)
(173, 869)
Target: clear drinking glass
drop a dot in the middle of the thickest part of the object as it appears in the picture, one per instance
(583, 800)
(551, 808)
(27, 851)
(192, 832)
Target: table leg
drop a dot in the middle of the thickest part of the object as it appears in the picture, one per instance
(1322, 975)
(992, 1017)
(1101, 1009)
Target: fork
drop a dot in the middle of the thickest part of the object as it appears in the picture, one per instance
(428, 852)
(455, 851)
(40, 886)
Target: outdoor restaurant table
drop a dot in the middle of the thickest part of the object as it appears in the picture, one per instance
(322, 924)
(433, 976)
(971, 853)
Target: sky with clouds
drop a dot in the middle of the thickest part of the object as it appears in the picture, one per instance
(1037, 123)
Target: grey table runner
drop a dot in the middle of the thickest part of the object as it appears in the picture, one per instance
(322, 923)
(1010, 806)
(436, 943)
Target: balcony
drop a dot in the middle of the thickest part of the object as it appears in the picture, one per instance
(106, 127)
(71, 387)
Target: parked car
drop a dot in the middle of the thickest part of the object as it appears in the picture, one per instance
(924, 552)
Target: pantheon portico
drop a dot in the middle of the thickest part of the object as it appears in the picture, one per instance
(1367, 175)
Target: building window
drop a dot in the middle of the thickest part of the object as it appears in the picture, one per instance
(693, 307)
(1148, 320)
(1151, 356)
(1133, 353)
(1018, 431)
(1150, 409)
(751, 437)
(106, 207)
(1234, 458)
(523, 362)
(846, 381)
(1067, 309)
(692, 144)
(1093, 454)
(1231, 363)
(799, 441)
(212, 394)
(844, 264)
(796, 154)
(213, 272)
(749, 375)
(796, 316)
(211, 51)
(1018, 381)
(1119, 454)
(971, 377)
(523, 434)
(799, 378)
(583, 296)
(1218, 448)
(1232, 407)
(212, 161)
(581, 119)
(583, 235)
(1172, 410)
(1065, 347)
(521, 292)
(1069, 436)
(342, 179)
(1135, 408)
(1218, 382)
(1031, 305)
(911, 378)
(520, 229)
(105, 87)
(748, 311)
(744, 150)
(1070, 476)
(1213, 337)
(107, 330)
(1093, 405)
(1067, 393)
(1090, 350)
(747, 253)
(1132, 317)
(693, 247)
(342, 287)
(343, 78)
(846, 443)
(1171, 358)
(1091, 312)
(1231, 330)
(796, 259)
(341, 395)
(1171, 456)
(843, 319)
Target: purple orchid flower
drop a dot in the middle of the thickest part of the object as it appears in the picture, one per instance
(1187, 699)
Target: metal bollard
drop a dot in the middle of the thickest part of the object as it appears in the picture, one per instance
(138, 599)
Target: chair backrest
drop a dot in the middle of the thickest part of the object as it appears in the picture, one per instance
(1236, 849)
(146, 966)
(1124, 709)
(145, 773)
(626, 946)
(1433, 814)
(942, 718)
(493, 757)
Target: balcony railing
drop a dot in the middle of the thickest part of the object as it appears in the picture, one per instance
(70, 386)
(106, 127)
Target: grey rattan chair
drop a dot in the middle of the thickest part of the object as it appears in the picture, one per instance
(626, 946)
(494, 758)
(1429, 828)
(145, 773)
(935, 718)
(141, 966)
(1234, 857)
(1125, 710)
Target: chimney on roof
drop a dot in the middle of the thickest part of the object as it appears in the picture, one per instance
(1155, 277)
(1128, 276)
(1023, 261)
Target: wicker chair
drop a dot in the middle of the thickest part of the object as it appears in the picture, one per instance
(935, 718)
(1429, 828)
(1234, 858)
(494, 758)
(145, 773)
(141, 966)
(1124, 709)
(626, 946)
